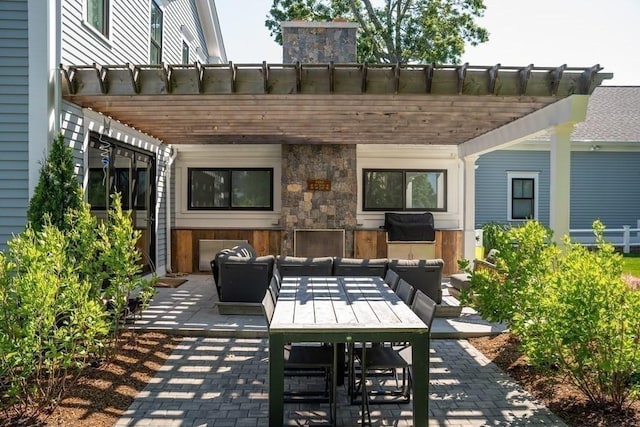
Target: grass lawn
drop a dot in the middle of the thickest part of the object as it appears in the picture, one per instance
(631, 264)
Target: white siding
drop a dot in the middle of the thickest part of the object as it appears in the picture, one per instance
(128, 40)
(413, 157)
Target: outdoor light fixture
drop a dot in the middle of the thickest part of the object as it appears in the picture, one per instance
(594, 148)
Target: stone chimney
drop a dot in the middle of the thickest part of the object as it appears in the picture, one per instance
(332, 206)
(319, 42)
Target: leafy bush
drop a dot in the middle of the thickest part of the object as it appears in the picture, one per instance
(492, 233)
(569, 307)
(119, 257)
(525, 259)
(49, 326)
(65, 285)
(587, 324)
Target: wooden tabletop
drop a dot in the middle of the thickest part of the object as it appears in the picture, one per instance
(334, 303)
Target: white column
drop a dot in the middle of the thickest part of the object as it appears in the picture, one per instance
(44, 39)
(560, 181)
(469, 206)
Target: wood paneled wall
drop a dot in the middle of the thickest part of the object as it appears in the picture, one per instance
(373, 244)
(367, 244)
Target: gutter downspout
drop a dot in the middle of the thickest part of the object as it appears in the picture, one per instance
(174, 154)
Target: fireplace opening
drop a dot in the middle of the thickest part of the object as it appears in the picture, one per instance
(316, 243)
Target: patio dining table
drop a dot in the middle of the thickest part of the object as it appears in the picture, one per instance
(344, 310)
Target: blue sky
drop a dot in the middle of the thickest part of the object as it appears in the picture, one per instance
(579, 33)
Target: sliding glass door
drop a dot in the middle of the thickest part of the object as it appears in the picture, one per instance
(115, 167)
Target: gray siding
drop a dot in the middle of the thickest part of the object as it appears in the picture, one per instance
(605, 185)
(14, 118)
(491, 183)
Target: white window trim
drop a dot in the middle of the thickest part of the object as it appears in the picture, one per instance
(94, 30)
(536, 194)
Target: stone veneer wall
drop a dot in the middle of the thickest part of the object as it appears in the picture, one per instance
(319, 42)
(306, 209)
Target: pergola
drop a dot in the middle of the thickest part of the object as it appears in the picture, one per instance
(477, 108)
(321, 103)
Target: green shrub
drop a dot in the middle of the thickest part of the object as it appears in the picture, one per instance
(569, 307)
(49, 326)
(492, 234)
(58, 189)
(587, 324)
(525, 259)
(119, 258)
(65, 284)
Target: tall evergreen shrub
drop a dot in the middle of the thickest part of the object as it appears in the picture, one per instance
(58, 189)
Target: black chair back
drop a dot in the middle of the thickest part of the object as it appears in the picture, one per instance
(424, 307)
(405, 291)
(391, 278)
(268, 307)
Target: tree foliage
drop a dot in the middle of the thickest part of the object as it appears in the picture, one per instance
(394, 31)
(58, 189)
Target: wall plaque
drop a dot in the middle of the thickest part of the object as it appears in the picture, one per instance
(318, 185)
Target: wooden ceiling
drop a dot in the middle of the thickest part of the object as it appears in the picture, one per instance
(321, 103)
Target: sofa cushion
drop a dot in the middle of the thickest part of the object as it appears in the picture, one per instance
(359, 267)
(460, 281)
(304, 266)
(244, 249)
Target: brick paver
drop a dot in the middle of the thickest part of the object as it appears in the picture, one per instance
(223, 382)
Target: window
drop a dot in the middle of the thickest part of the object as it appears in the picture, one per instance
(404, 190)
(97, 15)
(522, 191)
(237, 189)
(185, 52)
(118, 179)
(155, 47)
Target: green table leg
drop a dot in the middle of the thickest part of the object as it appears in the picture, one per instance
(420, 356)
(276, 380)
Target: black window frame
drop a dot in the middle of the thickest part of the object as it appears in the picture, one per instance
(532, 199)
(404, 207)
(106, 4)
(153, 43)
(230, 190)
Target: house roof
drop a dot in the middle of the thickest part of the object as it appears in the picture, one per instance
(321, 103)
(613, 114)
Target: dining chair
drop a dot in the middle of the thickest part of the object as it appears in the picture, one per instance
(397, 357)
(405, 291)
(310, 358)
(391, 278)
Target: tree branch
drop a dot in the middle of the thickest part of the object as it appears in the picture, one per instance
(379, 29)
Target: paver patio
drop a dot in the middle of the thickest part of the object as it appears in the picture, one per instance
(217, 376)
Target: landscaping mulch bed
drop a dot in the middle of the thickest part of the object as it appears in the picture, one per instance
(555, 392)
(103, 393)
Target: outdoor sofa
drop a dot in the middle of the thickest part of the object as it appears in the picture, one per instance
(242, 277)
